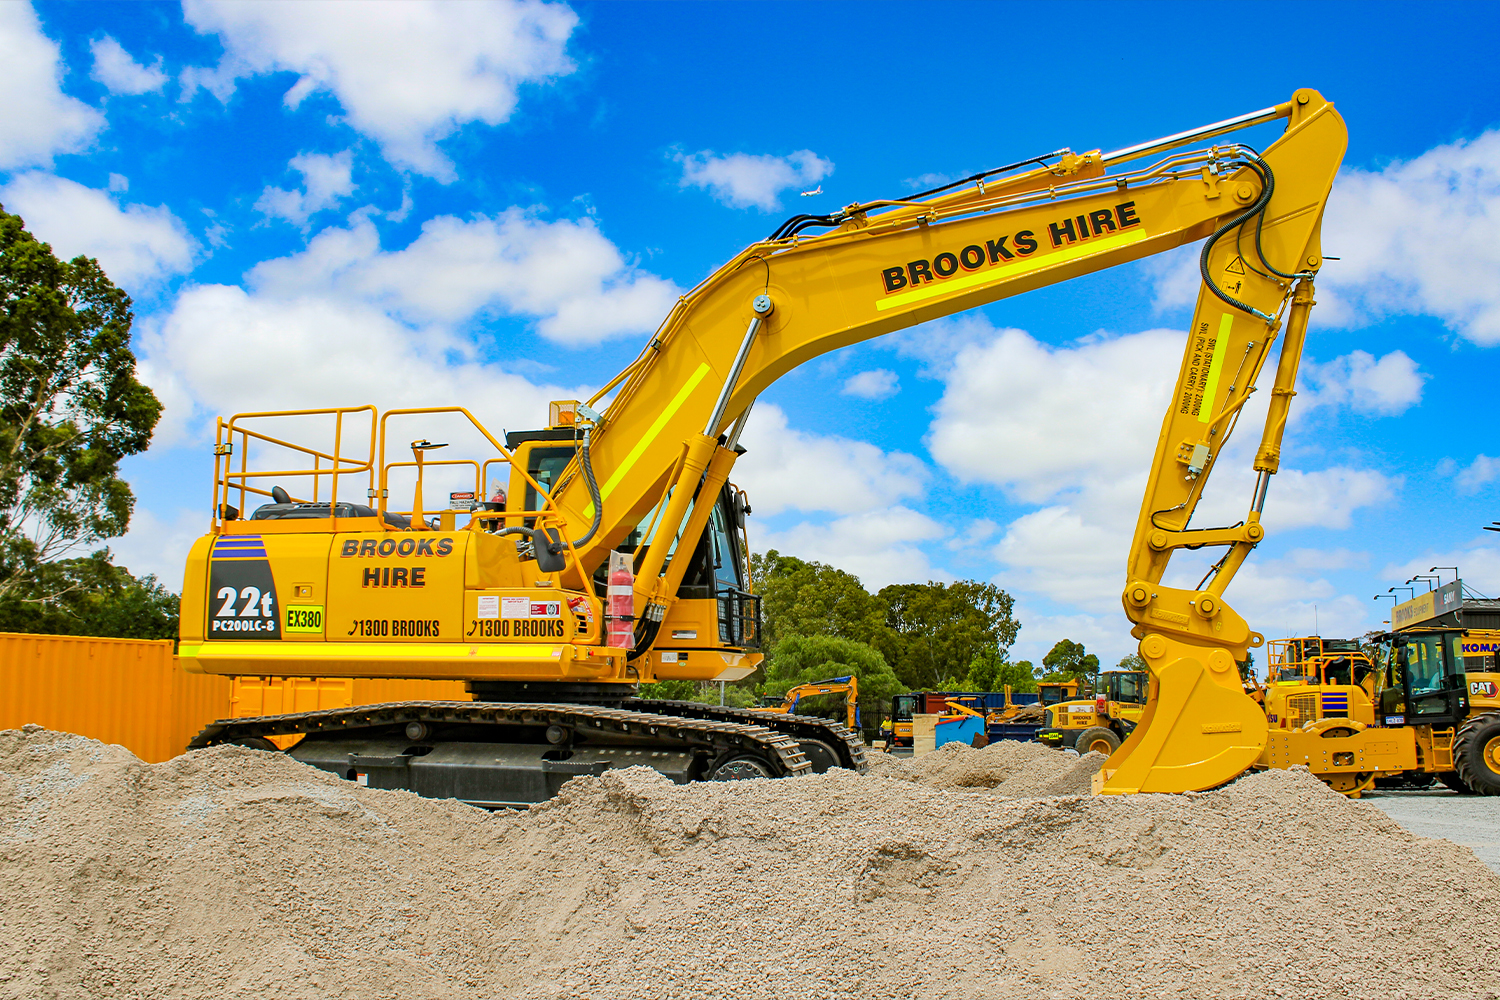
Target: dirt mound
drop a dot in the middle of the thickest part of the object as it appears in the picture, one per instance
(1006, 767)
(236, 873)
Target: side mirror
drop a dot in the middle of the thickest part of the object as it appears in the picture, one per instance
(741, 508)
(549, 549)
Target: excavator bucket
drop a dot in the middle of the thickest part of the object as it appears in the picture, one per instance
(1199, 728)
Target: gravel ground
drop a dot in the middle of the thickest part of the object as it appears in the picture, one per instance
(1471, 820)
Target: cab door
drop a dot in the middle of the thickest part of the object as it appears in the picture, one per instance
(1433, 681)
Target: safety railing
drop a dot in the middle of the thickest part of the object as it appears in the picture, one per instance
(238, 482)
(327, 468)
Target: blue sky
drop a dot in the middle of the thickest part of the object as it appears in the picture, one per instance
(408, 204)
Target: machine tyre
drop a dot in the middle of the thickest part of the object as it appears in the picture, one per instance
(820, 755)
(741, 768)
(1476, 753)
(1455, 782)
(253, 743)
(1097, 739)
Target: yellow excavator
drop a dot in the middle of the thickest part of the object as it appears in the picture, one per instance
(606, 550)
(821, 755)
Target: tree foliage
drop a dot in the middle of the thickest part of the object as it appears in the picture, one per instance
(1067, 661)
(935, 631)
(89, 596)
(811, 598)
(998, 672)
(803, 659)
(70, 407)
(702, 692)
(929, 634)
(1131, 661)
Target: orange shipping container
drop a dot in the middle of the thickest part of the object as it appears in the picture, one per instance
(127, 691)
(134, 692)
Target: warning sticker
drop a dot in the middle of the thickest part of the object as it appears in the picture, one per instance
(488, 606)
(515, 607)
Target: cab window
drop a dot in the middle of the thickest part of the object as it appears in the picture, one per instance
(545, 465)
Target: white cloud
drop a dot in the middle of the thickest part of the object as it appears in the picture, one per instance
(36, 118)
(1038, 420)
(874, 385)
(1054, 551)
(159, 546)
(881, 547)
(325, 181)
(926, 182)
(119, 183)
(114, 68)
(345, 322)
(407, 74)
(1418, 237)
(742, 180)
(564, 273)
(1105, 635)
(1478, 565)
(225, 350)
(1073, 430)
(1479, 472)
(785, 469)
(136, 245)
(1387, 387)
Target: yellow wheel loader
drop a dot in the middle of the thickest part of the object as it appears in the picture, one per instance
(1101, 723)
(1421, 706)
(610, 551)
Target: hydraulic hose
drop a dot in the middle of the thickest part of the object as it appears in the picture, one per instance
(797, 223)
(1208, 245)
(593, 485)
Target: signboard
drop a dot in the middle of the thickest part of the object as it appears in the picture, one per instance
(1448, 597)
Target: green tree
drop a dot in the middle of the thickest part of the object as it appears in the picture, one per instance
(802, 659)
(1132, 661)
(1067, 661)
(90, 596)
(935, 631)
(994, 673)
(70, 408)
(810, 598)
(702, 692)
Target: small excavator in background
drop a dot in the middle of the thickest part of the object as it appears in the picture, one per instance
(822, 757)
(611, 552)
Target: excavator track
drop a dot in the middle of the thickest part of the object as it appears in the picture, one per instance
(835, 743)
(496, 754)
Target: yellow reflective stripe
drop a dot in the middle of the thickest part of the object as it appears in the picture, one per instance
(1215, 367)
(651, 432)
(364, 652)
(992, 274)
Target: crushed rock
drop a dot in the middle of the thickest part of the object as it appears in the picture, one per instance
(243, 874)
(1006, 767)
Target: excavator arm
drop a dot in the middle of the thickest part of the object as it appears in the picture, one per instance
(669, 434)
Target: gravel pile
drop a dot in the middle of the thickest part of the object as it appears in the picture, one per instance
(237, 873)
(1007, 767)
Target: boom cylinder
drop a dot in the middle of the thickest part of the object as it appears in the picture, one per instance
(1268, 458)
